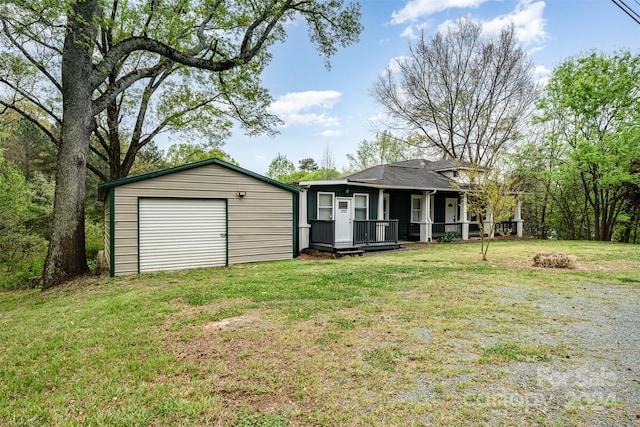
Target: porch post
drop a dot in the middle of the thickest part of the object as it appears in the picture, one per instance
(465, 219)
(425, 220)
(518, 218)
(303, 225)
(380, 228)
(488, 223)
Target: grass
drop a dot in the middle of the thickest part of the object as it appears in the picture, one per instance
(391, 339)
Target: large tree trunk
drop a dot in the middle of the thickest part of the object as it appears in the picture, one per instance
(66, 257)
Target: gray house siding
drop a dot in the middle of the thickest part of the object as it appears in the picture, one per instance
(400, 209)
(341, 191)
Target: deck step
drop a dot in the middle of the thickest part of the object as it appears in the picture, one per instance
(349, 251)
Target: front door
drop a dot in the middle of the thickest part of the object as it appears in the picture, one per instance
(450, 214)
(451, 210)
(343, 219)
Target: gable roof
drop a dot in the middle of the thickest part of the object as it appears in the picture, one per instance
(416, 174)
(212, 161)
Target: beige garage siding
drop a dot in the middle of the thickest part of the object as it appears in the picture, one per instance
(260, 225)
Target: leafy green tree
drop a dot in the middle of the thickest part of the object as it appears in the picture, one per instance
(21, 251)
(491, 198)
(307, 165)
(281, 168)
(72, 60)
(385, 148)
(150, 158)
(592, 102)
(27, 146)
(180, 154)
(631, 208)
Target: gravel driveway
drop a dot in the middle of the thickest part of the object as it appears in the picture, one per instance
(601, 376)
(596, 382)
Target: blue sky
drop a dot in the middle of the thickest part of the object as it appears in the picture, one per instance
(334, 108)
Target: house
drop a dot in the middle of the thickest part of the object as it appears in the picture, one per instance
(205, 214)
(374, 209)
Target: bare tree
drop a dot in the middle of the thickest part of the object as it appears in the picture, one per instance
(460, 93)
(328, 165)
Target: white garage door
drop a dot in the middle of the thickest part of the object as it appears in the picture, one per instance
(176, 234)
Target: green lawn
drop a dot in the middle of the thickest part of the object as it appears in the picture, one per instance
(418, 337)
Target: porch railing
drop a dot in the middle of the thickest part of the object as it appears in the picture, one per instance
(474, 229)
(322, 231)
(372, 231)
(439, 229)
(506, 228)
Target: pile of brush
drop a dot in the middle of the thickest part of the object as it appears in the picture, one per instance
(554, 260)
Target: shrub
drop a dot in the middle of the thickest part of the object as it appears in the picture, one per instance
(449, 238)
(94, 239)
(21, 258)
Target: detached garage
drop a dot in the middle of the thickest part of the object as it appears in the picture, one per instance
(204, 214)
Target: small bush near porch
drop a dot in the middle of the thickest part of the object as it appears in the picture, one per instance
(424, 337)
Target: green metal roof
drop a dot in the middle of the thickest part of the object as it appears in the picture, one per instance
(212, 161)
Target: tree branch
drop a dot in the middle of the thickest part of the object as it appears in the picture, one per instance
(30, 58)
(122, 84)
(31, 99)
(97, 172)
(12, 106)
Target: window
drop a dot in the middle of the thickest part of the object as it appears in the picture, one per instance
(416, 208)
(325, 206)
(362, 206)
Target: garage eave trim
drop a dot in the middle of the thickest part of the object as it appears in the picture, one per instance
(214, 161)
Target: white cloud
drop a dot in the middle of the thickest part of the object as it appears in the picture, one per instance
(379, 118)
(528, 21)
(309, 119)
(541, 74)
(527, 18)
(395, 64)
(448, 24)
(416, 9)
(307, 108)
(332, 132)
(408, 32)
(296, 101)
(541, 70)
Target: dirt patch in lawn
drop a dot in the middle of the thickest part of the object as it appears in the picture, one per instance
(231, 322)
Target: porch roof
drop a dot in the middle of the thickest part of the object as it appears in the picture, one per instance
(415, 174)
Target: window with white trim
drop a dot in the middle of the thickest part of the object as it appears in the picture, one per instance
(361, 209)
(416, 208)
(325, 206)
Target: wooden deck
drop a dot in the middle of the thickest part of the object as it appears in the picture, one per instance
(368, 235)
(346, 248)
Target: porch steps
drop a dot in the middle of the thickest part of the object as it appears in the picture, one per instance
(348, 251)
